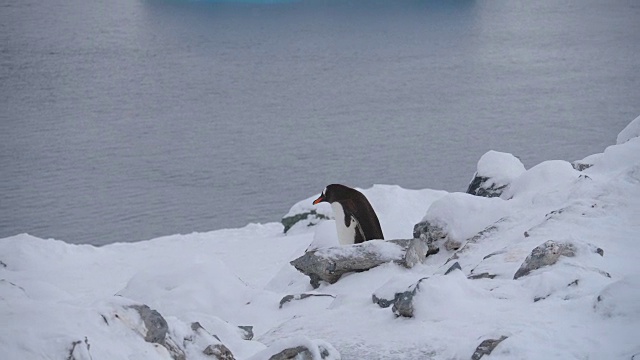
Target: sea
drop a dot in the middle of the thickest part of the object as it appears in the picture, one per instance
(126, 120)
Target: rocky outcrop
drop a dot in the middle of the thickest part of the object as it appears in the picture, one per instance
(494, 173)
(458, 218)
(219, 351)
(155, 325)
(486, 347)
(155, 329)
(329, 264)
(545, 255)
(247, 332)
(298, 348)
(485, 187)
(309, 218)
(430, 233)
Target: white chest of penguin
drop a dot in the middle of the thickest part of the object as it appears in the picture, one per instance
(346, 235)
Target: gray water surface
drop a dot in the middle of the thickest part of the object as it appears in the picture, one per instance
(124, 120)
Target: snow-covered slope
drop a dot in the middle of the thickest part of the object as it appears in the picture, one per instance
(61, 301)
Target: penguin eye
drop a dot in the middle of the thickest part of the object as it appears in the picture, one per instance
(324, 192)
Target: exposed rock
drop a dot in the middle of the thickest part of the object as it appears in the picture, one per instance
(196, 327)
(80, 350)
(288, 298)
(485, 187)
(155, 324)
(219, 351)
(3, 264)
(382, 302)
(298, 348)
(247, 331)
(311, 217)
(176, 351)
(429, 232)
(403, 302)
(486, 347)
(484, 275)
(403, 305)
(538, 298)
(581, 166)
(545, 255)
(329, 264)
(455, 266)
(299, 352)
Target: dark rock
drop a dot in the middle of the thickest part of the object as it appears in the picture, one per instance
(329, 264)
(429, 232)
(495, 171)
(384, 303)
(600, 252)
(455, 266)
(484, 275)
(298, 353)
(432, 234)
(288, 298)
(176, 352)
(403, 302)
(311, 216)
(545, 255)
(247, 331)
(580, 166)
(302, 352)
(403, 305)
(486, 347)
(3, 264)
(219, 351)
(156, 325)
(485, 187)
(80, 350)
(493, 254)
(538, 298)
(196, 327)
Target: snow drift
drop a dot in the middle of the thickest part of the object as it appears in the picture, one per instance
(547, 269)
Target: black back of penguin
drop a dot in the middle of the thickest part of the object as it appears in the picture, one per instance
(355, 205)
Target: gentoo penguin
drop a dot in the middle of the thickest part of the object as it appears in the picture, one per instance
(356, 221)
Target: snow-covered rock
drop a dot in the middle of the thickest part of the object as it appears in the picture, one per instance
(299, 348)
(456, 217)
(495, 172)
(629, 132)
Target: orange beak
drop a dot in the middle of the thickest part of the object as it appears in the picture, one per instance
(318, 200)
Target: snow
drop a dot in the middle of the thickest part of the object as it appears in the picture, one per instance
(629, 132)
(500, 167)
(65, 301)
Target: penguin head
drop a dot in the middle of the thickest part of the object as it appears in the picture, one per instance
(333, 193)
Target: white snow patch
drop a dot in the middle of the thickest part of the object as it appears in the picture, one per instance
(629, 132)
(499, 167)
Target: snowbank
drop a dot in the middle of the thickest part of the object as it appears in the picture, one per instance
(210, 295)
